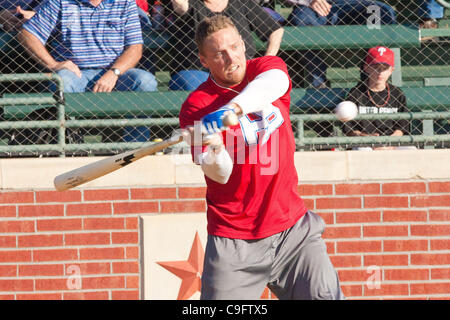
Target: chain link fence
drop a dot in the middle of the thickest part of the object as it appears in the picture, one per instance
(325, 55)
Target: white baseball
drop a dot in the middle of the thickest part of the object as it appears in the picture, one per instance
(346, 111)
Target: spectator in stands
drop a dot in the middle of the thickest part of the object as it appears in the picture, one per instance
(98, 44)
(335, 12)
(374, 94)
(429, 11)
(248, 16)
(13, 13)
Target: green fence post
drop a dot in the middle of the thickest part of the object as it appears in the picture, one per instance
(59, 97)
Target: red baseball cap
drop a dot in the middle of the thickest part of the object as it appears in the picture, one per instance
(380, 54)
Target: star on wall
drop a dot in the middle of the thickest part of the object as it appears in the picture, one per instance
(190, 270)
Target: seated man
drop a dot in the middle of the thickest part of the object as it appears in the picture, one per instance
(97, 44)
(335, 12)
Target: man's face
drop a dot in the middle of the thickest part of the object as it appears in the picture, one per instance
(224, 55)
(378, 73)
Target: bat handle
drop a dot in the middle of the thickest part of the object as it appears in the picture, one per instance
(230, 119)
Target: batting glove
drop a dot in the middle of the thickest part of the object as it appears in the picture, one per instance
(213, 122)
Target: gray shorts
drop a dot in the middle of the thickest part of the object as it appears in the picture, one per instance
(294, 264)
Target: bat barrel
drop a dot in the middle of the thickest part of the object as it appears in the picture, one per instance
(102, 167)
(74, 178)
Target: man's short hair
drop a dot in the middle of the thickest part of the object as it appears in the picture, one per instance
(211, 25)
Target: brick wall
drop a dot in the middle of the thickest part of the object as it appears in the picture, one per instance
(387, 239)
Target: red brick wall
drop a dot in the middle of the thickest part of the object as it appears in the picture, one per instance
(397, 233)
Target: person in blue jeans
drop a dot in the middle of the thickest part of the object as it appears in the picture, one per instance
(330, 13)
(97, 44)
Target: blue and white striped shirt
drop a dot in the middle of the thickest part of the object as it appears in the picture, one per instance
(92, 37)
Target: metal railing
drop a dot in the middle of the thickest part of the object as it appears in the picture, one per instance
(422, 58)
(62, 123)
(303, 142)
(338, 141)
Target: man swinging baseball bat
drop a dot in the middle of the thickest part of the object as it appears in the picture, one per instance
(102, 167)
(259, 231)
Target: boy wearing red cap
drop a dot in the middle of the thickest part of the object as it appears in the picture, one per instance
(374, 94)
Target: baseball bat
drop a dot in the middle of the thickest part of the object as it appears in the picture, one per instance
(89, 172)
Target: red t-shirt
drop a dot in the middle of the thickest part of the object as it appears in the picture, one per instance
(260, 198)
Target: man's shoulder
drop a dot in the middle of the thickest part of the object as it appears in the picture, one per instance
(266, 60)
(198, 100)
(199, 95)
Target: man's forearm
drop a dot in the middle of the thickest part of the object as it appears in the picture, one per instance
(274, 42)
(397, 133)
(217, 165)
(298, 2)
(129, 58)
(36, 49)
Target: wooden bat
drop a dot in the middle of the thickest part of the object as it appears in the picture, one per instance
(102, 167)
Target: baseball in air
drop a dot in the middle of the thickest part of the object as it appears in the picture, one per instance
(346, 111)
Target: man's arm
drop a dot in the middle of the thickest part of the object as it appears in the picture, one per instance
(267, 87)
(35, 33)
(214, 160)
(127, 60)
(397, 133)
(274, 42)
(321, 7)
(261, 91)
(27, 14)
(38, 52)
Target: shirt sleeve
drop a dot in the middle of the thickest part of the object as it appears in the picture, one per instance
(263, 90)
(45, 20)
(133, 32)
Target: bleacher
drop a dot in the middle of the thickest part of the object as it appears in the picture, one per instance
(422, 71)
